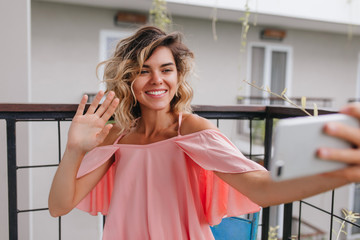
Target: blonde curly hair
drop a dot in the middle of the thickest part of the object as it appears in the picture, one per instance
(127, 61)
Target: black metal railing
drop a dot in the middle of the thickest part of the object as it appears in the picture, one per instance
(15, 113)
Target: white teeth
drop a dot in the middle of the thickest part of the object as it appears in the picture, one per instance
(155, 92)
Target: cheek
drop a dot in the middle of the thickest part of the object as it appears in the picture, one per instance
(136, 86)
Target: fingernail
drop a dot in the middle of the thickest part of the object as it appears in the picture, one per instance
(322, 153)
(331, 127)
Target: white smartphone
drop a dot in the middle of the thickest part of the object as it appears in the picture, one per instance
(295, 142)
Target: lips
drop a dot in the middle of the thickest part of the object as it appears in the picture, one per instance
(155, 92)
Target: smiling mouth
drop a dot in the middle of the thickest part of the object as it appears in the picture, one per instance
(156, 93)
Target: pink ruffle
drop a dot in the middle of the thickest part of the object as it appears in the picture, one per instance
(221, 200)
(98, 200)
(212, 151)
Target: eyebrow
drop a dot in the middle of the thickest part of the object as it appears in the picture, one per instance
(162, 65)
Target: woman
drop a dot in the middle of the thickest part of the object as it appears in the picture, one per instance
(160, 165)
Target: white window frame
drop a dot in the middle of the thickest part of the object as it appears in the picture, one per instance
(269, 48)
(104, 48)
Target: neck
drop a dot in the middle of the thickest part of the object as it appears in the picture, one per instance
(153, 122)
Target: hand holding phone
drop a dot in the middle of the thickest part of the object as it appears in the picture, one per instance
(296, 141)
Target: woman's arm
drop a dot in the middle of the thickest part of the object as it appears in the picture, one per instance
(261, 189)
(86, 132)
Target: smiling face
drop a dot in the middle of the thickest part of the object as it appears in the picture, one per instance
(156, 85)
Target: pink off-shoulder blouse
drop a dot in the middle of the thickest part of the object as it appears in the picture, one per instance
(167, 189)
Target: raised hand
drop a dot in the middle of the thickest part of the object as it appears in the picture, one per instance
(90, 129)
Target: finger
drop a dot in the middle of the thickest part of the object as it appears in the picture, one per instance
(81, 107)
(110, 110)
(104, 132)
(110, 96)
(352, 109)
(350, 134)
(96, 102)
(348, 156)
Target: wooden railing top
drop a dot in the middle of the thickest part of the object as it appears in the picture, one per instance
(271, 110)
(30, 107)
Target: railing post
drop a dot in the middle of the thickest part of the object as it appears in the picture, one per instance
(287, 221)
(267, 146)
(12, 179)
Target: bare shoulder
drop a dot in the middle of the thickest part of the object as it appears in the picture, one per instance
(193, 123)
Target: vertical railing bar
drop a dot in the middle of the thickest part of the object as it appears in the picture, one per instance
(332, 213)
(59, 140)
(59, 225)
(12, 178)
(267, 149)
(268, 141)
(59, 159)
(287, 221)
(299, 225)
(251, 140)
(217, 123)
(250, 146)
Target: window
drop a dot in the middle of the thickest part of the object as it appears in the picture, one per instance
(108, 41)
(269, 65)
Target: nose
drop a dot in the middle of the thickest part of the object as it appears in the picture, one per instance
(156, 78)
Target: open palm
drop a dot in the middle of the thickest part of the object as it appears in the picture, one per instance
(90, 129)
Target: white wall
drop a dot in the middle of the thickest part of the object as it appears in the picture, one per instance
(325, 65)
(65, 57)
(15, 88)
(65, 40)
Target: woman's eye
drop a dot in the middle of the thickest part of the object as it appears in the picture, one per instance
(144, 72)
(167, 70)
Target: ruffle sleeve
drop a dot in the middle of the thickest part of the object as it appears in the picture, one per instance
(212, 151)
(98, 199)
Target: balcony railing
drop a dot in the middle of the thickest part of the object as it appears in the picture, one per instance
(59, 113)
(310, 101)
